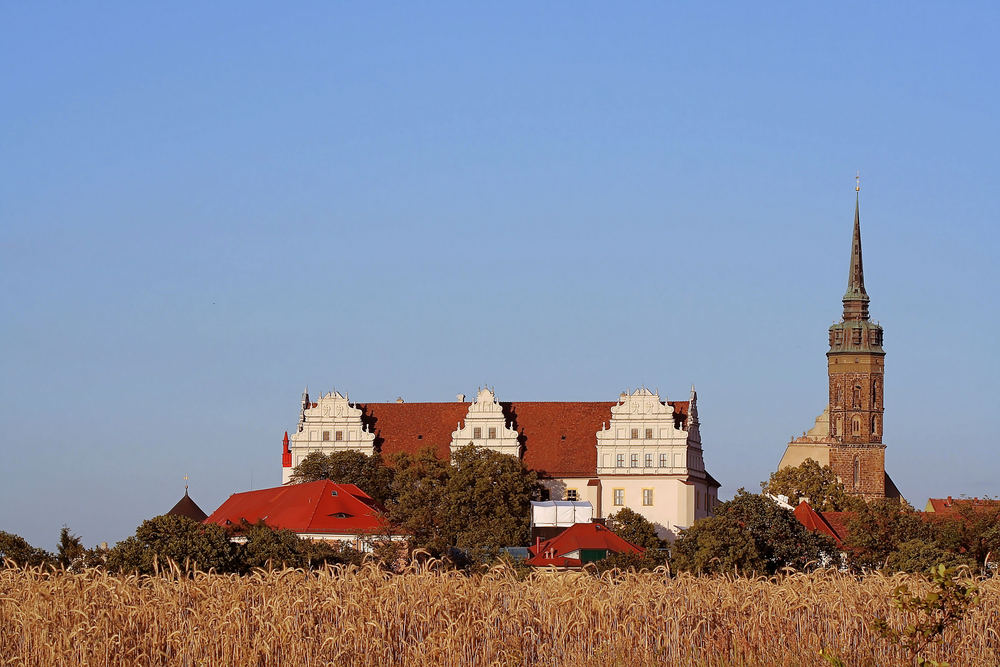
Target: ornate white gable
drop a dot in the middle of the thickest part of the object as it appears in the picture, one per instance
(330, 424)
(486, 426)
(644, 438)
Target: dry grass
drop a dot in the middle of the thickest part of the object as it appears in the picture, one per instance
(363, 616)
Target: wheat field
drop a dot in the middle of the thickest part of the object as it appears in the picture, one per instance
(426, 616)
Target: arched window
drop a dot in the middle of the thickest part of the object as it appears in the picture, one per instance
(856, 426)
(857, 472)
(856, 398)
(874, 425)
(874, 394)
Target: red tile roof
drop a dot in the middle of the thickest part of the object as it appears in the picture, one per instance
(819, 522)
(313, 507)
(576, 537)
(559, 438)
(951, 505)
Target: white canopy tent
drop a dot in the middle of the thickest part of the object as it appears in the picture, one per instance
(561, 512)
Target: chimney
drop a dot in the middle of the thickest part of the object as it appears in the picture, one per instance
(460, 398)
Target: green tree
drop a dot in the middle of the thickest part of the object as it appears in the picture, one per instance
(368, 473)
(777, 537)
(487, 501)
(70, 549)
(188, 543)
(973, 530)
(15, 548)
(878, 529)
(811, 480)
(268, 548)
(919, 555)
(716, 544)
(635, 528)
(419, 505)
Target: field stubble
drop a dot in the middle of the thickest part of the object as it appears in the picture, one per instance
(365, 616)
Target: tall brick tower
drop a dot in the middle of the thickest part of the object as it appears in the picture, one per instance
(856, 368)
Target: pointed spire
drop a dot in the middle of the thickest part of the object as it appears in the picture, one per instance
(856, 298)
(286, 453)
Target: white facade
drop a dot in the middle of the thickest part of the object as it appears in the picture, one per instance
(328, 425)
(485, 426)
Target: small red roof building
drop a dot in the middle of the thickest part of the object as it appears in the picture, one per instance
(580, 543)
(317, 510)
(951, 505)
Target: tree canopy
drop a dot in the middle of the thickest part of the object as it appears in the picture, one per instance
(17, 549)
(811, 480)
(635, 528)
(369, 473)
(477, 503)
(750, 533)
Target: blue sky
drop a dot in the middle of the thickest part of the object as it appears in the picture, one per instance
(205, 208)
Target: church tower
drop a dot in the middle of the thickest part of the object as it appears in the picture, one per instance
(856, 368)
(848, 435)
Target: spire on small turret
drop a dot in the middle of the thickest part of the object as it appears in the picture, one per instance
(286, 453)
(856, 298)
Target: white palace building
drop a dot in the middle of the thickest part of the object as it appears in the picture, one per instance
(640, 452)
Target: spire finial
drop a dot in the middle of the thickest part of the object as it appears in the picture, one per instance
(856, 298)
(185, 485)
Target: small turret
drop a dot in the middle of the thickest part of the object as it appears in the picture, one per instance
(286, 453)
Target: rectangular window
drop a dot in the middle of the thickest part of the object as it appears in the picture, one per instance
(620, 461)
(477, 432)
(493, 432)
(339, 435)
(649, 434)
(571, 494)
(647, 497)
(326, 435)
(634, 461)
(663, 461)
(635, 434)
(619, 497)
(649, 461)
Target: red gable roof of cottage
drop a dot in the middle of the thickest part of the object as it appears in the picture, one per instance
(313, 507)
(559, 438)
(578, 536)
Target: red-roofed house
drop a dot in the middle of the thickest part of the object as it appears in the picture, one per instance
(315, 510)
(579, 544)
(951, 505)
(639, 452)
